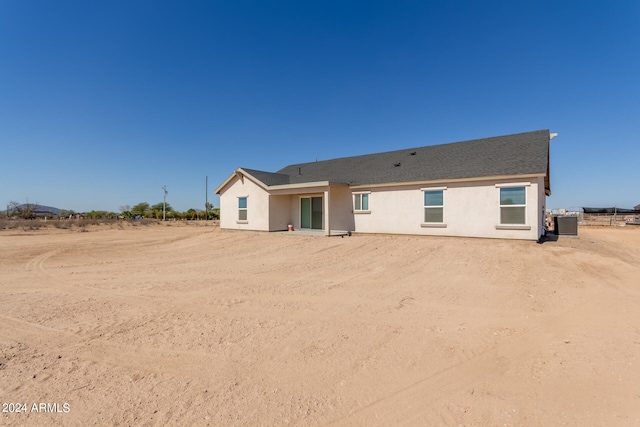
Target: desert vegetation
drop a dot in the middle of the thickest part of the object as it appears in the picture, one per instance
(27, 216)
(66, 223)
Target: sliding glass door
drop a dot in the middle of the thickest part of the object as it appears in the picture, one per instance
(311, 213)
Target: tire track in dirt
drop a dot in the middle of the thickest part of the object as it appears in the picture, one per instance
(20, 330)
(149, 359)
(102, 350)
(392, 409)
(37, 264)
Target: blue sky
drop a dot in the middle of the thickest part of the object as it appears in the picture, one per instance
(103, 103)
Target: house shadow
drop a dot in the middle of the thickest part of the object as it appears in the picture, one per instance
(549, 237)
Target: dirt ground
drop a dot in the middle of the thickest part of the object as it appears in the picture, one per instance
(189, 325)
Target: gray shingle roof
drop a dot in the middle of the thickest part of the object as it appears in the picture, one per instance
(269, 178)
(524, 153)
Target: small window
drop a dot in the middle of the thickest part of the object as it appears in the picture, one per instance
(434, 206)
(242, 208)
(361, 202)
(513, 205)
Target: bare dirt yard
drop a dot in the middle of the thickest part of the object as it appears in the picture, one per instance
(189, 325)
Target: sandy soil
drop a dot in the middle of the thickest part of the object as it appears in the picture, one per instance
(184, 325)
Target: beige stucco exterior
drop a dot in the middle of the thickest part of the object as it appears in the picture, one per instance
(274, 209)
(471, 208)
(341, 218)
(258, 212)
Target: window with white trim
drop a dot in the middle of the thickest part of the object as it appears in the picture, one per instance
(361, 202)
(513, 204)
(242, 208)
(434, 206)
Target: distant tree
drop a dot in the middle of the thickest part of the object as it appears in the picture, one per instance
(26, 211)
(156, 210)
(66, 214)
(140, 209)
(191, 213)
(93, 215)
(124, 208)
(158, 206)
(29, 211)
(101, 215)
(213, 213)
(13, 208)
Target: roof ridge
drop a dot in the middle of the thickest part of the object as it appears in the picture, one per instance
(416, 148)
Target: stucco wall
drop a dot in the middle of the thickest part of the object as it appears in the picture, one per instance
(470, 209)
(542, 206)
(341, 209)
(280, 212)
(257, 206)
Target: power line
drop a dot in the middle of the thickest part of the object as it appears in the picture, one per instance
(164, 203)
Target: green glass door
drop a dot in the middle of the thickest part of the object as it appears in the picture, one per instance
(316, 213)
(305, 212)
(311, 213)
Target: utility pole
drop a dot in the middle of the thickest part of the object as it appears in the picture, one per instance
(164, 203)
(206, 197)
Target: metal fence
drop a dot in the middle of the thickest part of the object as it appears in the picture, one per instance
(608, 219)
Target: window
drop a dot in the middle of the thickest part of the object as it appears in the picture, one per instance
(361, 202)
(434, 206)
(242, 208)
(512, 205)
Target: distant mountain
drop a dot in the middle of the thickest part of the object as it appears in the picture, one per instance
(40, 209)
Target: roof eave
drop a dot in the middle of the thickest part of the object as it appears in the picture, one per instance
(225, 182)
(239, 173)
(302, 185)
(450, 180)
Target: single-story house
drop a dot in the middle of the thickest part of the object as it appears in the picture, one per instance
(491, 187)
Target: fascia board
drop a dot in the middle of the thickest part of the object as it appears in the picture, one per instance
(446, 181)
(237, 173)
(252, 178)
(225, 183)
(304, 185)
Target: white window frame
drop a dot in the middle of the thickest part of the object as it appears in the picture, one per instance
(505, 226)
(245, 210)
(442, 224)
(358, 209)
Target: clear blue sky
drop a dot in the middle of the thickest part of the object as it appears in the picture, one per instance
(103, 103)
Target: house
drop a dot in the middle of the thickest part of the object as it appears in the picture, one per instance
(492, 188)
